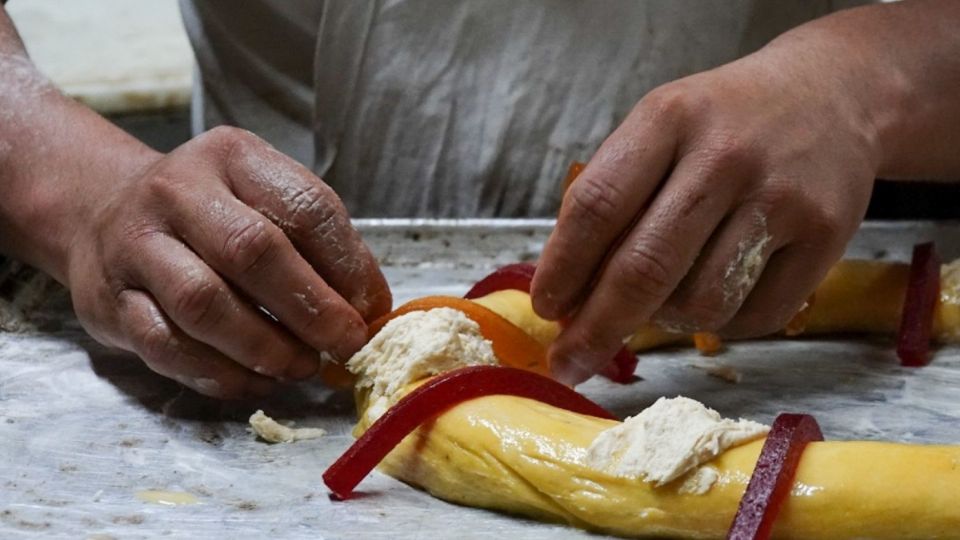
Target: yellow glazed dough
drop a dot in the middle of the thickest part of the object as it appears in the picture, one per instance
(855, 297)
(524, 457)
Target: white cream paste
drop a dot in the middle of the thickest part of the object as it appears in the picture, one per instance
(667, 440)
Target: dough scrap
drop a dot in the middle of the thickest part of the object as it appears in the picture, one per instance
(272, 431)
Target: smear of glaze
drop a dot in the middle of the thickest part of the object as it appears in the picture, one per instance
(167, 498)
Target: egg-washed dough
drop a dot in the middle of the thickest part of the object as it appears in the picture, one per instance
(525, 457)
(856, 296)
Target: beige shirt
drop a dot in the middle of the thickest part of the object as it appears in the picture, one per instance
(447, 108)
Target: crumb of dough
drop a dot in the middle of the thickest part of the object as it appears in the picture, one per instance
(720, 371)
(270, 430)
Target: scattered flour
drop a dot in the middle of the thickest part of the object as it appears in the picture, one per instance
(743, 271)
(21, 81)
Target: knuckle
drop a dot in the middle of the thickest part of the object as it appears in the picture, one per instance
(230, 144)
(97, 309)
(163, 188)
(727, 157)
(249, 244)
(157, 341)
(814, 220)
(666, 102)
(229, 137)
(646, 270)
(199, 301)
(136, 233)
(594, 204)
(98, 327)
(825, 225)
(312, 210)
(777, 196)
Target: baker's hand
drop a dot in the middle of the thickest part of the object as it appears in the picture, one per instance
(176, 263)
(718, 205)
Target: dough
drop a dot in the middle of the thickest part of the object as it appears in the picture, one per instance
(525, 457)
(272, 431)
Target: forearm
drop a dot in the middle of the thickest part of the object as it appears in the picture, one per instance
(901, 63)
(52, 152)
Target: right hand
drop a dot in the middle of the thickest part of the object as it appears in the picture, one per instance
(179, 262)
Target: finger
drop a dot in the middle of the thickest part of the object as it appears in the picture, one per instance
(314, 218)
(600, 207)
(199, 302)
(255, 256)
(789, 278)
(170, 352)
(645, 268)
(724, 274)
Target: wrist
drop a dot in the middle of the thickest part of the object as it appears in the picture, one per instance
(51, 198)
(898, 61)
(838, 71)
(76, 208)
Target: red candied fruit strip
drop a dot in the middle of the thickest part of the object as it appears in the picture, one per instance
(433, 398)
(573, 172)
(519, 276)
(510, 277)
(773, 476)
(621, 369)
(916, 321)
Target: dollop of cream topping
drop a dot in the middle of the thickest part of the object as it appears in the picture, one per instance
(415, 346)
(667, 440)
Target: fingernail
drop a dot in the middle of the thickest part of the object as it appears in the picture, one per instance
(570, 371)
(545, 305)
(353, 338)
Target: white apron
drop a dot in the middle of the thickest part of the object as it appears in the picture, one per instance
(456, 108)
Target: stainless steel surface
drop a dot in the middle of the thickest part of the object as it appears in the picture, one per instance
(84, 429)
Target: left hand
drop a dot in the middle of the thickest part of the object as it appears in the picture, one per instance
(718, 205)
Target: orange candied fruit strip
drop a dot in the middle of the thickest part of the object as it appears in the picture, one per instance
(572, 173)
(514, 347)
(798, 323)
(707, 343)
(336, 375)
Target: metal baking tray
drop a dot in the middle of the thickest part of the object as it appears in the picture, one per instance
(84, 430)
